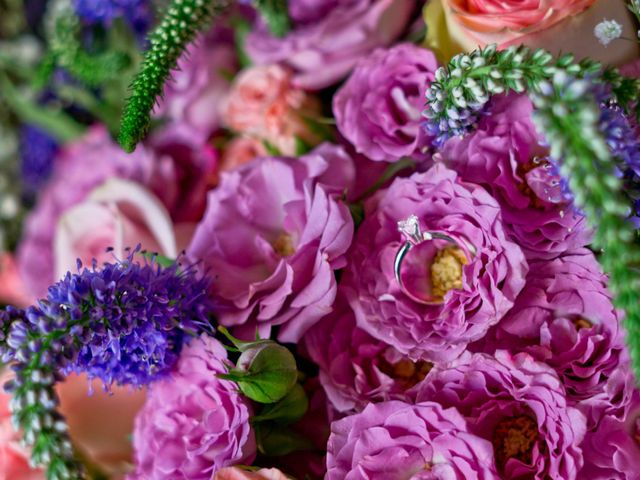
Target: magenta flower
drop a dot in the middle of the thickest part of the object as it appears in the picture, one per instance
(474, 291)
(613, 449)
(519, 405)
(564, 317)
(396, 440)
(329, 37)
(274, 233)
(378, 110)
(505, 156)
(355, 368)
(193, 423)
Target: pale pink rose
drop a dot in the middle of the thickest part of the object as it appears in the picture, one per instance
(119, 214)
(264, 104)
(12, 289)
(100, 423)
(502, 21)
(14, 459)
(238, 473)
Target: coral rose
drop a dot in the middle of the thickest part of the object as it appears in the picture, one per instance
(264, 104)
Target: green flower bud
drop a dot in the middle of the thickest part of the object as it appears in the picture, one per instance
(265, 371)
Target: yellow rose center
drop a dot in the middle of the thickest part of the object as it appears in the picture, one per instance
(581, 323)
(283, 245)
(446, 271)
(406, 372)
(515, 437)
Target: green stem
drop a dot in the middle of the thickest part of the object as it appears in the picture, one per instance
(56, 123)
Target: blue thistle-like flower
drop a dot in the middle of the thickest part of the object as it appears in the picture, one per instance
(136, 12)
(37, 151)
(126, 321)
(622, 139)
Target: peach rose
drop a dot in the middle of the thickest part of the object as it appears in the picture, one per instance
(101, 423)
(12, 289)
(263, 104)
(117, 214)
(559, 26)
(237, 473)
(14, 459)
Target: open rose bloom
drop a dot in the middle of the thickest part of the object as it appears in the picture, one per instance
(349, 240)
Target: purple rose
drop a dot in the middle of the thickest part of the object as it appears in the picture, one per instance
(193, 423)
(505, 156)
(396, 440)
(613, 450)
(174, 167)
(564, 317)
(519, 405)
(472, 292)
(274, 233)
(379, 108)
(356, 368)
(329, 37)
(200, 83)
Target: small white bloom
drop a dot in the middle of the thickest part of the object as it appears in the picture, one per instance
(607, 30)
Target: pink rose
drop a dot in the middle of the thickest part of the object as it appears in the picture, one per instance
(559, 26)
(14, 459)
(117, 214)
(100, 423)
(264, 104)
(501, 21)
(237, 473)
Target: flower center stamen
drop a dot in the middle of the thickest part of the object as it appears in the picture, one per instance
(283, 245)
(515, 437)
(406, 372)
(581, 323)
(446, 271)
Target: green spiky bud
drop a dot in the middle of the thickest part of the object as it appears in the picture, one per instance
(182, 22)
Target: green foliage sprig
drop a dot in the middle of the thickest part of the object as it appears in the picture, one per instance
(34, 406)
(462, 88)
(182, 22)
(275, 14)
(568, 114)
(63, 29)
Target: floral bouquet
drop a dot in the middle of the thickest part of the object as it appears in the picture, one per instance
(339, 239)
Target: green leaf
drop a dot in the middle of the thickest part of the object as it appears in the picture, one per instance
(275, 441)
(288, 410)
(275, 14)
